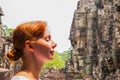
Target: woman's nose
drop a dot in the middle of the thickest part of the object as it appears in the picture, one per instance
(54, 44)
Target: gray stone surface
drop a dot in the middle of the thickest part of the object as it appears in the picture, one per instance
(95, 39)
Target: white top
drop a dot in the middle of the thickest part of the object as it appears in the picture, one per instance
(19, 78)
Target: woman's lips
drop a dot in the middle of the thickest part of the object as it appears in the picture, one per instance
(52, 52)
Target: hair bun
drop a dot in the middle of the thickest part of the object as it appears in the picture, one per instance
(14, 54)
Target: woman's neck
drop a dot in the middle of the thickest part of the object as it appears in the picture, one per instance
(31, 73)
(30, 69)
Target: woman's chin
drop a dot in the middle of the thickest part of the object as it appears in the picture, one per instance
(47, 60)
(51, 57)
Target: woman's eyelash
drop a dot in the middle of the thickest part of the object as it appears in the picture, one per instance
(47, 38)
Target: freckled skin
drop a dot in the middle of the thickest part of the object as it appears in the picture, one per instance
(44, 48)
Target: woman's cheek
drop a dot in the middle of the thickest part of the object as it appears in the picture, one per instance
(42, 53)
(42, 47)
(40, 58)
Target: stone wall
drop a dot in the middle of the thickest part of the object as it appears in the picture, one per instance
(95, 39)
(6, 68)
(53, 74)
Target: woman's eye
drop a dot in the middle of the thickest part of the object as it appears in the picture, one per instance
(47, 39)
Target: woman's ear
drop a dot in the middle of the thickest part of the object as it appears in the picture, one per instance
(28, 44)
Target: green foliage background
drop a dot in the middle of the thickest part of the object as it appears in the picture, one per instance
(7, 30)
(56, 63)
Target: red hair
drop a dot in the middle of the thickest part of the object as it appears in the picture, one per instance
(26, 31)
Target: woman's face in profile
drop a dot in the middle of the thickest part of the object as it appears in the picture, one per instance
(44, 47)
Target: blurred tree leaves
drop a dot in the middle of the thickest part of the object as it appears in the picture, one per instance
(56, 63)
(7, 30)
(59, 60)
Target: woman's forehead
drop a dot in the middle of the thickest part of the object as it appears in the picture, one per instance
(46, 33)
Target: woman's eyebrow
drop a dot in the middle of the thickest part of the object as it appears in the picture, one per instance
(48, 36)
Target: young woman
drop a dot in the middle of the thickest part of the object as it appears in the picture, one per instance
(32, 43)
